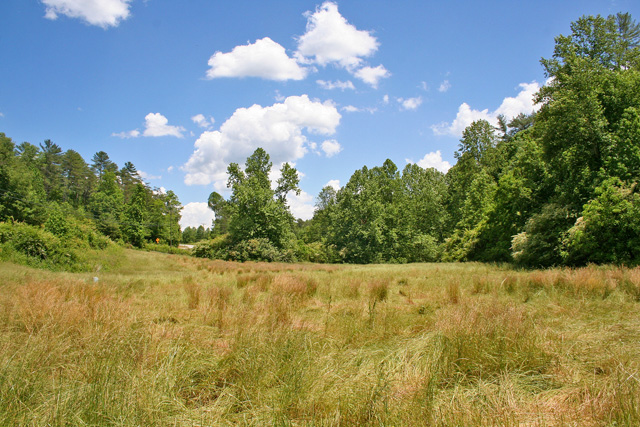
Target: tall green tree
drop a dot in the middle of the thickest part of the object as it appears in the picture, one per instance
(255, 210)
(106, 205)
(135, 216)
(77, 178)
(51, 166)
(100, 163)
(220, 208)
(22, 195)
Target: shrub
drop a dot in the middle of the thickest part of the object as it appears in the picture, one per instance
(255, 250)
(213, 249)
(540, 245)
(37, 247)
(609, 229)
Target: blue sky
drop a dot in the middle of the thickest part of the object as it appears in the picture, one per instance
(183, 88)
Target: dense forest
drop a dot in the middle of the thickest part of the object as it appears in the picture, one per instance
(54, 206)
(557, 187)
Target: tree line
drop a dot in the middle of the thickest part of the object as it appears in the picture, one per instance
(44, 186)
(557, 187)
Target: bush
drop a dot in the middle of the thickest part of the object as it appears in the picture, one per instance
(255, 250)
(37, 247)
(609, 229)
(317, 252)
(540, 245)
(213, 249)
(32, 245)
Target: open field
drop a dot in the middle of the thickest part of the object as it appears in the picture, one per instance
(167, 340)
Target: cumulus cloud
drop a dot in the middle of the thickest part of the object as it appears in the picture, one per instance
(301, 205)
(335, 183)
(329, 38)
(338, 84)
(155, 125)
(444, 86)
(410, 103)
(196, 214)
(372, 75)
(433, 160)
(202, 121)
(279, 129)
(385, 99)
(510, 107)
(103, 13)
(264, 59)
(331, 147)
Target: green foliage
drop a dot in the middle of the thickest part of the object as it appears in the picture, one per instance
(317, 252)
(216, 248)
(259, 249)
(134, 216)
(255, 212)
(541, 243)
(381, 215)
(56, 223)
(609, 229)
(26, 244)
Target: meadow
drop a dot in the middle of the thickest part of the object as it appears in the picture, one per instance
(169, 340)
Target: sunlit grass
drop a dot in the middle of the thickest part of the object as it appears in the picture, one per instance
(170, 340)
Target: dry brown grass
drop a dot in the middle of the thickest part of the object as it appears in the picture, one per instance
(169, 340)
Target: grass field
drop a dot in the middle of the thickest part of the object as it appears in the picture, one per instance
(167, 340)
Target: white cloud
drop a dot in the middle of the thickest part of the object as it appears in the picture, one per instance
(265, 59)
(338, 84)
(196, 214)
(1, 115)
(277, 128)
(433, 160)
(103, 13)
(170, 169)
(444, 86)
(125, 135)
(372, 75)
(202, 121)
(510, 107)
(424, 86)
(522, 103)
(148, 176)
(329, 38)
(335, 183)
(157, 125)
(354, 109)
(331, 147)
(385, 99)
(410, 103)
(301, 205)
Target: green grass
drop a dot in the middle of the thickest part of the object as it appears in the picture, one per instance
(167, 340)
